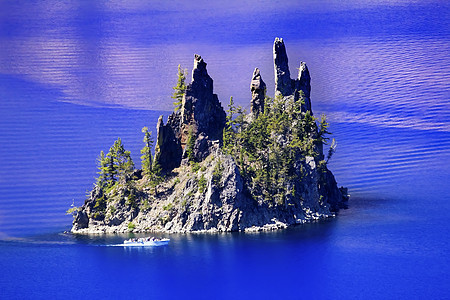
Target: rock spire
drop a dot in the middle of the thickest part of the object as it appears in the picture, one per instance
(300, 88)
(283, 81)
(200, 114)
(258, 89)
(201, 109)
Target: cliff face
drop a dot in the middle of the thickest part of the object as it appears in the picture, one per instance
(205, 189)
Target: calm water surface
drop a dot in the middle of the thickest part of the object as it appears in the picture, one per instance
(76, 75)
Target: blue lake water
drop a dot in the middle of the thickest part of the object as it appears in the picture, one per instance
(76, 75)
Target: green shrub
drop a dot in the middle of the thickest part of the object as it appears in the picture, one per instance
(97, 216)
(145, 205)
(168, 206)
(190, 143)
(195, 167)
(131, 226)
(202, 184)
(217, 172)
(100, 203)
(131, 200)
(72, 211)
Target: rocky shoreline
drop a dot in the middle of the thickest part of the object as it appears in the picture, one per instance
(204, 187)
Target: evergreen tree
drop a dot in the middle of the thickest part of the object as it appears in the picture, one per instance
(114, 164)
(332, 150)
(111, 167)
(102, 170)
(190, 143)
(266, 149)
(121, 158)
(323, 130)
(146, 152)
(180, 88)
(228, 133)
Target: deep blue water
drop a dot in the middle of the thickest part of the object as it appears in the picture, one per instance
(76, 75)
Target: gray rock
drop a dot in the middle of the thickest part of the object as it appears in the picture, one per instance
(202, 147)
(258, 89)
(283, 81)
(168, 148)
(201, 109)
(303, 87)
(200, 112)
(300, 88)
(81, 220)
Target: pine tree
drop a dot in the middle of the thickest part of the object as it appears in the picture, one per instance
(190, 143)
(180, 88)
(146, 152)
(121, 158)
(110, 167)
(228, 133)
(114, 164)
(102, 170)
(323, 130)
(267, 147)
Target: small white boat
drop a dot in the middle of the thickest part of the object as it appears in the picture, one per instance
(145, 242)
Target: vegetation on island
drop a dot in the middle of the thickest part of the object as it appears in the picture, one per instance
(266, 148)
(179, 88)
(269, 148)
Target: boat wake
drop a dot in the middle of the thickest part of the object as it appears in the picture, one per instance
(143, 242)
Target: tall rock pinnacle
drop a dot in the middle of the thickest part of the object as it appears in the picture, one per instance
(299, 88)
(258, 89)
(303, 87)
(200, 114)
(283, 81)
(201, 110)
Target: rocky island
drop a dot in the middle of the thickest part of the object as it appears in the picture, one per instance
(219, 171)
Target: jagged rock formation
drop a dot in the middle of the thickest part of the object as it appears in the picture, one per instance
(201, 115)
(205, 190)
(299, 88)
(258, 89)
(283, 81)
(168, 149)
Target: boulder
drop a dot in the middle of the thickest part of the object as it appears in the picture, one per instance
(81, 220)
